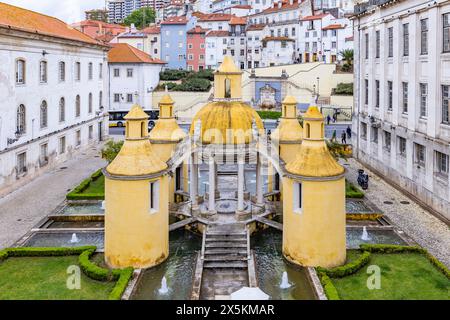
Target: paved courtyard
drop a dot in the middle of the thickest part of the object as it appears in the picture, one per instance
(24, 208)
(427, 230)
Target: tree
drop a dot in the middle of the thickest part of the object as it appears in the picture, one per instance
(141, 18)
(347, 56)
(111, 149)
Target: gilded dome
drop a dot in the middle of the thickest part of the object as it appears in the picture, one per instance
(226, 122)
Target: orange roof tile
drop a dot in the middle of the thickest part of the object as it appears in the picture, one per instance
(315, 17)
(29, 21)
(217, 33)
(175, 20)
(198, 29)
(124, 53)
(152, 30)
(96, 23)
(238, 20)
(334, 27)
(256, 27)
(277, 39)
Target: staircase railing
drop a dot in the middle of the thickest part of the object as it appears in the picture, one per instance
(202, 254)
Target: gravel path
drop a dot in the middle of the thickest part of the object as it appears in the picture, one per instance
(22, 209)
(427, 230)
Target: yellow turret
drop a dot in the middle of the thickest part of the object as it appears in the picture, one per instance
(164, 137)
(314, 201)
(227, 80)
(136, 214)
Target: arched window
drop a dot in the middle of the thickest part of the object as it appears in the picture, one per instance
(100, 99)
(20, 71)
(308, 130)
(44, 115)
(43, 71)
(62, 71)
(77, 106)
(21, 119)
(90, 103)
(227, 88)
(62, 110)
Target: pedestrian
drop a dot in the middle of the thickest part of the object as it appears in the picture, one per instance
(328, 119)
(349, 132)
(334, 117)
(333, 138)
(344, 137)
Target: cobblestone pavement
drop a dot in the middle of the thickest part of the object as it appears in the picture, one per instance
(424, 228)
(22, 209)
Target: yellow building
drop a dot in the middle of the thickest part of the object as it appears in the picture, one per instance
(165, 137)
(314, 232)
(136, 213)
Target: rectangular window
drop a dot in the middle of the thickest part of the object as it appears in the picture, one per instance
(298, 197)
(405, 97)
(446, 104)
(20, 71)
(43, 72)
(377, 94)
(116, 97)
(62, 71)
(446, 32)
(90, 71)
(419, 155)
(390, 42)
(43, 154)
(129, 97)
(374, 136)
(77, 71)
(367, 45)
(22, 163)
(366, 92)
(116, 73)
(91, 132)
(387, 141)
(406, 39)
(378, 44)
(154, 196)
(78, 138)
(423, 100)
(424, 36)
(100, 71)
(62, 145)
(363, 130)
(129, 73)
(402, 146)
(390, 95)
(442, 163)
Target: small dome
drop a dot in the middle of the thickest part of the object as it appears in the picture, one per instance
(136, 113)
(166, 99)
(228, 66)
(289, 100)
(167, 130)
(222, 122)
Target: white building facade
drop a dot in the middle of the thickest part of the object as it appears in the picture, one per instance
(53, 93)
(402, 94)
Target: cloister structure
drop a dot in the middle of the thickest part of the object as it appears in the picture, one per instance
(152, 173)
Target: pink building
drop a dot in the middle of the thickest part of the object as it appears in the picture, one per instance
(99, 30)
(196, 48)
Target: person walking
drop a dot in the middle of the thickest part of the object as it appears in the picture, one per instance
(349, 132)
(328, 119)
(344, 137)
(333, 138)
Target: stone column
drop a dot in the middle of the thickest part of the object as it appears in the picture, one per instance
(240, 206)
(193, 189)
(212, 186)
(259, 181)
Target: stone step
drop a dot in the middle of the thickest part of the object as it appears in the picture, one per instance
(225, 233)
(226, 239)
(225, 258)
(225, 265)
(222, 244)
(226, 251)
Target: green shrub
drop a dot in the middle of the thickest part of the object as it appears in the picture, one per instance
(3, 254)
(111, 150)
(121, 284)
(353, 192)
(273, 115)
(193, 84)
(344, 89)
(78, 192)
(349, 268)
(173, 74)
(47, 252)
(91, 269)
(203, 74)
(329, 288)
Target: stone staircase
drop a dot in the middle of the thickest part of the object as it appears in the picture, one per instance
(225, 260)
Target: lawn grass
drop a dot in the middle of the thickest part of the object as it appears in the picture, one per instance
(352, 192)
(96, 186)
(44, 278)
(405, 276)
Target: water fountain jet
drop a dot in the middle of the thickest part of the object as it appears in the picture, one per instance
(365, 234)
(74, 238)
(285, 281)
(164, 288)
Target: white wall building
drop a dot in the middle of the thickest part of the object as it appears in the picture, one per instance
(255, 34)
(133, 76)
(402, 95)
(277, 51)
(53, 89)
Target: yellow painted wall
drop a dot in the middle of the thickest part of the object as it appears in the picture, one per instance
(164, 150)
(288, 152)
(317, 237)
(134, 236)
(219, 85)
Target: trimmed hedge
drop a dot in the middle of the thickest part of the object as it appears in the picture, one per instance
(273, 115)
(349, 268)
(392, 249)
(329, 288)
(344, 89)
(77, 192)
(90, 269)
(352, 192)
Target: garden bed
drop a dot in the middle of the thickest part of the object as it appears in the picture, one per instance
(42, 274)
(407, 273)
(352, 192)
(93, 188)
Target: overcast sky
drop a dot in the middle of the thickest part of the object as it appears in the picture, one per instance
(67, 10)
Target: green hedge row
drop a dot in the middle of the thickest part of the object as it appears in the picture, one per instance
(353, 192)
(77, 192)
(121, 276)
(329, 288)
(273, 115)
(349, 268)
(385, 248)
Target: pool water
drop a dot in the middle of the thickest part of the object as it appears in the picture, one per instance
(270, 266)
(375, 237)
(63, 239)
(75, 209)
(178, 270)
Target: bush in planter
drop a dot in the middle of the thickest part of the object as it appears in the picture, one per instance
(194, 84)
(344, 89)
(202, 74)
(173, 75)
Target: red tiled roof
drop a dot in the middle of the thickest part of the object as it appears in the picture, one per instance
(215, 17)
(349, 39)
(198, 29)
(242, 6)
(96, 23)
(217, 33)
(29, 21)
(152, 30)
(284, 6)
(176, 20)
(124, 53)
(238, 20)
(334, 27)
(256, 27)
(315, 17)
(277, 39)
